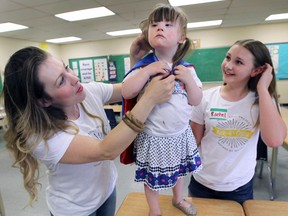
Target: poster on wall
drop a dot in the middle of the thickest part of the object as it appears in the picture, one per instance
(101, 69)
(112, 71)
(126, 64)
(75, 68)
(86, 70)
(90, 69)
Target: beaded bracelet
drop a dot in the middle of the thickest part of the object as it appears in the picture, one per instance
(133, 123)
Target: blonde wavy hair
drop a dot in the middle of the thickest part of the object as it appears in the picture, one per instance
(29, 123)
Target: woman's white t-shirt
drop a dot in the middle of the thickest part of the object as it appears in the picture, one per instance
(79, 189)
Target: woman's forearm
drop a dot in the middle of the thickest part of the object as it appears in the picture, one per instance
(122, 135)
(158, 91)
(85, 149)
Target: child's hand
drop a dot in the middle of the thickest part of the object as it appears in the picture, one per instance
(266, 77)
(183, 74)
(155, 68)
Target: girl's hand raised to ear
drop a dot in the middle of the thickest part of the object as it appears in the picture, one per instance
(266, 77)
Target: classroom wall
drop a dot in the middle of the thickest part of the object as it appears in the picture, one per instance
(213, 38)
(9, 46)
(269, 33)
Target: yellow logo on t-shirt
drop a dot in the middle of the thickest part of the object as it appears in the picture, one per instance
(233, 133)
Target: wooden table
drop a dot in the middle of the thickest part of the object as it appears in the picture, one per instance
(135, 204)
(116, 108)
(265, 208)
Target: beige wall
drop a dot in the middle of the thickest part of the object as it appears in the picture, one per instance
(269, 33)
(9, 46)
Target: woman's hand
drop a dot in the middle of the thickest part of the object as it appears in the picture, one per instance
(160, 89)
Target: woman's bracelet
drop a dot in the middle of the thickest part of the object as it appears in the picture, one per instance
(133, 123)
(132, 118)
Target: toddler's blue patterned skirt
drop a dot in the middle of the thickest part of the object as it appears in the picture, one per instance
(160, 161)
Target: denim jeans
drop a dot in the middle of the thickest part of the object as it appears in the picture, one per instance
(107, 208)
(239, 195)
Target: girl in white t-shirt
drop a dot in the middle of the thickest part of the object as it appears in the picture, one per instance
(227, 123)
(166, 150)
(54, 119)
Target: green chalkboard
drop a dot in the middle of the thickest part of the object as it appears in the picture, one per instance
(208, 63)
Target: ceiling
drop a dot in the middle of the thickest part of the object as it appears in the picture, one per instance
(38, 15)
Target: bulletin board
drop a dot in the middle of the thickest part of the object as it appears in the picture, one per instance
(91, 69)
(123, 64)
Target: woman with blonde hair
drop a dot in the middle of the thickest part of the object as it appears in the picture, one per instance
(55, 119)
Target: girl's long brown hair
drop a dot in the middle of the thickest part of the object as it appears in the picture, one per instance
(261, 57)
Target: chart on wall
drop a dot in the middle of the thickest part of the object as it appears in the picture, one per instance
(91, 69)
(101, 69)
